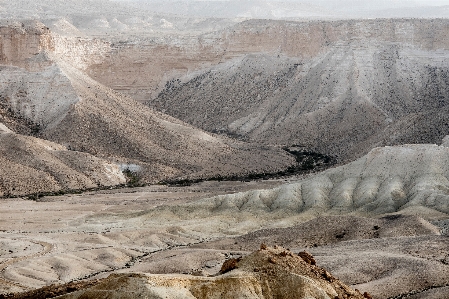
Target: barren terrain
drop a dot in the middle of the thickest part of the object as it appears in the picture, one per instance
(237, 109)
(339, 88)
(43, 94)
(193, 230)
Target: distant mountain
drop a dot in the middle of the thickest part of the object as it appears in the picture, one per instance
(106, 18)
(43, 94)
(403, 12)
(339, 88)
(273, 9)
(254, 9)
(144, 16)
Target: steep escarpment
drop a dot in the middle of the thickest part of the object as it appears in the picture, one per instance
(160, 59)
(44, 92)
(340, 88)
(20, 41)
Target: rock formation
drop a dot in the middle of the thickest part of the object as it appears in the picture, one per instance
(94, 93)
(387, 180)
(339, 88)
(43, 94)
(267, 273)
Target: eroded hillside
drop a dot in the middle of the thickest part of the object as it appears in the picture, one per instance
(339, 88)
(100, 93)
(30, 165)
(45, 93)
(163, 230)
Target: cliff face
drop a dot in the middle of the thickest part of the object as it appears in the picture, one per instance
(45, 92)
(32, 85)
(340, 88)
(308, 39)
(19, 42)
(141, 68)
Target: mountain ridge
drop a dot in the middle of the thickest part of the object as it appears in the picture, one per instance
(43, 94)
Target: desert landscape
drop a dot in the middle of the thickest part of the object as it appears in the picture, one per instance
(224, 149)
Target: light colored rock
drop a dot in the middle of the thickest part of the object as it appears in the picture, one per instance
(4, 129)
(445, 141)
(44, 97)
(372, 185)
(270, 273)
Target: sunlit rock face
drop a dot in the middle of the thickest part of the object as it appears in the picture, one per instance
(267, 273)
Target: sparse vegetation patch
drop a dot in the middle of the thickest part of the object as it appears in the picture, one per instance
(306, 162)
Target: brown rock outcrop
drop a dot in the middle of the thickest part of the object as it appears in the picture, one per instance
(307, 257)
(20, 41)
(290, 277)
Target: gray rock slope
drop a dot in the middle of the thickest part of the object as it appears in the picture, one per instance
(409, 179)
(43, 94)
(339, 88)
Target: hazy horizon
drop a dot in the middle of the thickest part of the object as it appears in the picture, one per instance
(298, 8)
(368, 3)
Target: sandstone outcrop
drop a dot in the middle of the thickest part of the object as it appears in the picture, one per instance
(267, 273)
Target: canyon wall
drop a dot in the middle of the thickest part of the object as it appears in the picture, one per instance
(141, 68)
(339, 88)
(22, 41)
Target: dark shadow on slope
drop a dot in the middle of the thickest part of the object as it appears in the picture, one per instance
(306, 162)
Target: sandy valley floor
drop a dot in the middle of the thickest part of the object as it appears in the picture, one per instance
(73, 237)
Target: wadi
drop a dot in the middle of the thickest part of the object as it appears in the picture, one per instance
(224, 149)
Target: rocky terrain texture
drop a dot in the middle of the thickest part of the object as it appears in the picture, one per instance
(267, 273)
(327, 230)
(387, 180)
(339, 88)
(277, 82)
(388, 244)
(42, 94)
(72, 91)
(30, 165)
